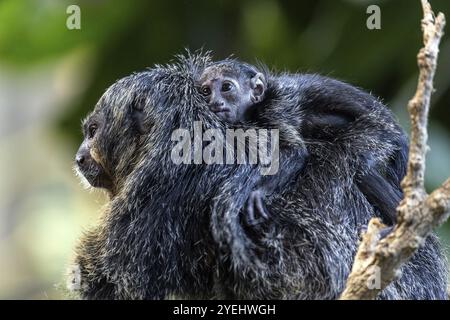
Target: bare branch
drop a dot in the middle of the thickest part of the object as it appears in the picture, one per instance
(418, 214)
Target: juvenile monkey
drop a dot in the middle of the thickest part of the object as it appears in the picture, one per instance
(303, 107)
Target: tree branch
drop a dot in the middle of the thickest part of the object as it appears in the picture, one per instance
(378, 262)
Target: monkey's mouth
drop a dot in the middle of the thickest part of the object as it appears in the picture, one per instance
(220, 109)
(96, 176)
(222, 112)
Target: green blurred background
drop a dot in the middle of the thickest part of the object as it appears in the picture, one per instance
(50, 77)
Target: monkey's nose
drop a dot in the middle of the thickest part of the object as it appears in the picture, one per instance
(217, 106)
(79, 159)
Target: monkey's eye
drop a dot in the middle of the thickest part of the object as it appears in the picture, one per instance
(227, 86)
(92, 130)
(206, 91)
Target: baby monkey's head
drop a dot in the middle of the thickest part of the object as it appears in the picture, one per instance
(231, 87)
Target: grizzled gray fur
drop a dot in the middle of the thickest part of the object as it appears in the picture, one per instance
(177, 230)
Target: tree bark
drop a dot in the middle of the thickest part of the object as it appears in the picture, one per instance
(377, 262)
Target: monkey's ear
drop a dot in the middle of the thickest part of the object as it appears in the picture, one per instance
(258, 86)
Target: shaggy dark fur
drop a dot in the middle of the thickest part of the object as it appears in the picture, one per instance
(175, 230)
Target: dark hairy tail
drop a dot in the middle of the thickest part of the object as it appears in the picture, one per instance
(381, 186)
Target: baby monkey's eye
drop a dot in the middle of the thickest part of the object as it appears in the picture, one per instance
(92, 130)
(206, 91)
(227, 86)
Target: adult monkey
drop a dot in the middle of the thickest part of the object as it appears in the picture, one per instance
(156, 237)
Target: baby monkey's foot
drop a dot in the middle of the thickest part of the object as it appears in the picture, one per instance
(255, 210)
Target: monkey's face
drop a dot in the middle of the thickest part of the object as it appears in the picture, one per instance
(113, 134)
(88, 158)
(229, 96)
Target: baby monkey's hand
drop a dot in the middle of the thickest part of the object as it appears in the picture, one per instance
(255, 209)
